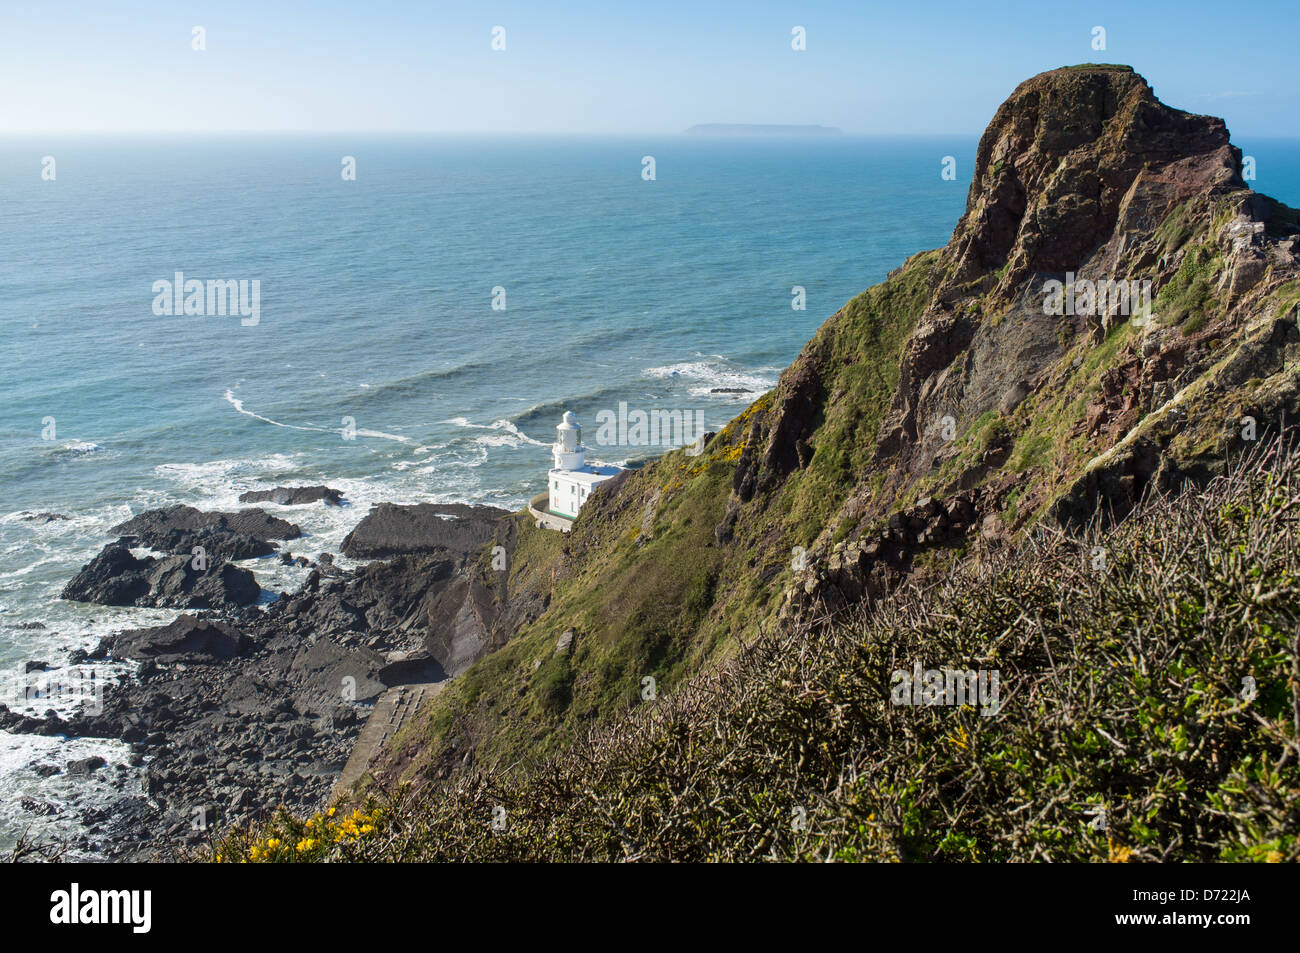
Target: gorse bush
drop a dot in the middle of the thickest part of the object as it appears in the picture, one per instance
(329, 835)
(1146, 707)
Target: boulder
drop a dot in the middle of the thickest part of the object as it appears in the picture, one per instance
(187, 639)
(116, 577)
(85, 766)
(175, 583)
(255, 522)
(393, 530)
(214, 541)
(294, 495)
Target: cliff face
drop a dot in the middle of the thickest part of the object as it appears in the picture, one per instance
(1065, 158)
(937, 413)
(1083, 173)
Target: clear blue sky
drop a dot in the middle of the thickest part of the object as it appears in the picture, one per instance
(616, 67)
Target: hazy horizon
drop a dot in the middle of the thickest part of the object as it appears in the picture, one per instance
(400, 67)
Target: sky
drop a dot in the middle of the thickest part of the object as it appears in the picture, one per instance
(615, 67)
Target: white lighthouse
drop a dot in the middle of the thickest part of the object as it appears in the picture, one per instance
(571, 479)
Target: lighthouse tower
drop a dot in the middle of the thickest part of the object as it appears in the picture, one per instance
(572, 479)
(568, 451)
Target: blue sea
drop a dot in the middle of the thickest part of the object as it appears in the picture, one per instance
(377, 323)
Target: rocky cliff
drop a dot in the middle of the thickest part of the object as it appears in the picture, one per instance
(1115, 311)
(1011, 412)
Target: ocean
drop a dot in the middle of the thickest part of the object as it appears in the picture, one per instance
(419, 330)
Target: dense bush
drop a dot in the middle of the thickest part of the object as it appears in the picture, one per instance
(1149, 709)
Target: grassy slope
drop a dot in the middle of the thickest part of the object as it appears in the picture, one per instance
(661, 597)
(1121, 688)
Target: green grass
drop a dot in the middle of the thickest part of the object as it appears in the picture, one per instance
(1176, 229)
(1188, 297)
(1034, 450)
(860, 351)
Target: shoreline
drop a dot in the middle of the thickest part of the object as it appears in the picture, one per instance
(238, 705)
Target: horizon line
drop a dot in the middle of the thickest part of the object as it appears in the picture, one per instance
(4, 133)
(532, 133)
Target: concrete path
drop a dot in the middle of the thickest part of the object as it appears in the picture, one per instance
(537, 509)
(392, 711)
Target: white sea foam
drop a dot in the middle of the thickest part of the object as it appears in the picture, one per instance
(714, 374)
(378, 434)
(60, 798)
(81, 446)
(384, 436)
(505, 433)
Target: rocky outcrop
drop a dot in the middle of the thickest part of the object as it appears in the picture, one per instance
(211, 541)
(394, 530)
(294, 495)
(877, 562)
(116, 577)
(1082, 174)
(784, 433)
(1055, 168)
(158, 523)
(189, 640)
(1073, 175)
(187, 531)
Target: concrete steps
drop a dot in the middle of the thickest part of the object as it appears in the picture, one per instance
(393, 710)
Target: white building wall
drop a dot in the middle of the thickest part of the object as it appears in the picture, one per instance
(567, 496)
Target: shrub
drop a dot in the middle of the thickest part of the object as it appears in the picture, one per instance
(1147, 675)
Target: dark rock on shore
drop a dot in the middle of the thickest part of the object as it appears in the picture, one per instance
(293, 495)
(188, 639)
(86, 766)
(116, 577)
(113, 578)
(247, 708)
(213, 541)
(158, 523)
(393, 530)
(81, 725)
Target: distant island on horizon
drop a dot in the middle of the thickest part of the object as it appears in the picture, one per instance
(761, 129)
